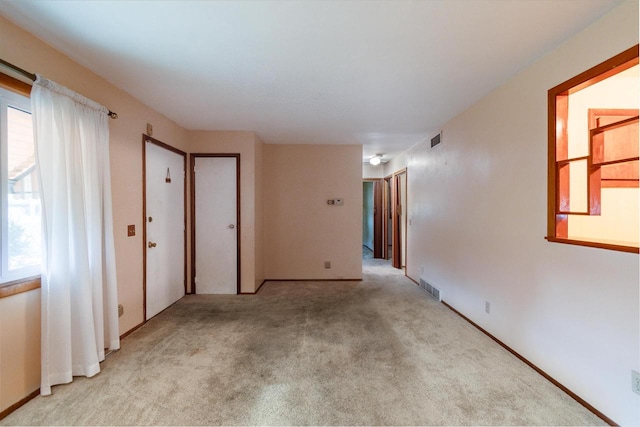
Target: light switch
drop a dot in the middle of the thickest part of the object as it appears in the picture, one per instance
(131, 230)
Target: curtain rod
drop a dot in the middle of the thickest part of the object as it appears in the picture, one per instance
(33, 77)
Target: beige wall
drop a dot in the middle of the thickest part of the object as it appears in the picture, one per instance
(19, 347)
(478, 204)
(22, 311)
(244, 143)
(396, 164)
(302, 231)
(372, 172)
(259, 213)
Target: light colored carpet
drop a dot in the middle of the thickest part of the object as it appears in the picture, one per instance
(376, 352)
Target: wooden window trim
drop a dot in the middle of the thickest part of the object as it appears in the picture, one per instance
(15, 85)
(620, 248)
(19, 286)
(618, 63)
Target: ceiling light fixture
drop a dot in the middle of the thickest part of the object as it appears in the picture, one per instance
(375, 160)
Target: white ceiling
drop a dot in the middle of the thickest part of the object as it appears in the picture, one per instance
(386, 74)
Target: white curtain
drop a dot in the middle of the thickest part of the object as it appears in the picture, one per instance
(79, 291)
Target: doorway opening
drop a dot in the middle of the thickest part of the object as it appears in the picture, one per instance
(215, 223)
(398, 182)
(384, 219)
(372, 218)
(387, 221)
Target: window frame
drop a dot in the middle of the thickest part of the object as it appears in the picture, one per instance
(25, 284)
(602, 71)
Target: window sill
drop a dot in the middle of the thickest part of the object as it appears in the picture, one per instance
(19, 286)
(612, 247)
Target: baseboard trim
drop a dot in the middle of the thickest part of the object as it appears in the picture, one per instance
(18, 404)
(555, 382)
(314, 280)
(298, 280)
(138, 326)
(132, 330)
(254, 292)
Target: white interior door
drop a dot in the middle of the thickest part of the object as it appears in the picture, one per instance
(165, 224)
(216, 228)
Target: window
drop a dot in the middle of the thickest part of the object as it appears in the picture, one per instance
(20, 199)
(593, 157)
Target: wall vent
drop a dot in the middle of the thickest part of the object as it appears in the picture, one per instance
(431, 290)
(436, 140)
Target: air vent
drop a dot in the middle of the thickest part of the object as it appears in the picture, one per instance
(436, 140)
(431, 290)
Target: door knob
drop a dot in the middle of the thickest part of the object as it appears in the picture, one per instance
(152, 245)
(232, 226)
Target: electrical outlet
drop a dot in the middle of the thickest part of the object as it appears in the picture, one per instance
(635, 381)
(131, 230)
(327, 264)
(487, 307)
(120, 310)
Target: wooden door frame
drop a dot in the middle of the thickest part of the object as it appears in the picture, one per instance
(378, 213)
(397, 247)
(192, 175)
(145, 139)
(386, 205)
